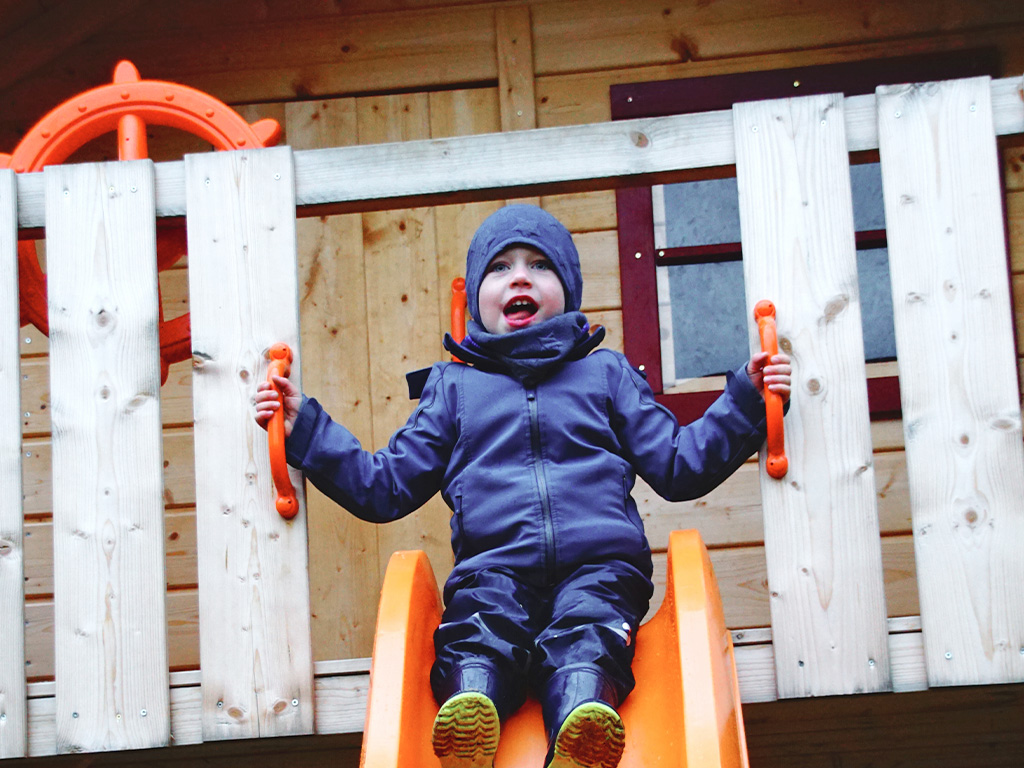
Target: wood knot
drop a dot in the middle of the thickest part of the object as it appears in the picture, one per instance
(639, 139)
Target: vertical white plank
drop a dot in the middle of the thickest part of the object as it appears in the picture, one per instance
(958, 376)
(13, 738)
(821, 522)
(109, 615)
(254, 636)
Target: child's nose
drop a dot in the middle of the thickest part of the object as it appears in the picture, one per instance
(520, 275)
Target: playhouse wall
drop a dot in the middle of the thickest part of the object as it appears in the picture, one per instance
(374, 286)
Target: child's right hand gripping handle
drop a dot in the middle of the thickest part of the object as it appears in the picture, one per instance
(777, 463)
(280, 364)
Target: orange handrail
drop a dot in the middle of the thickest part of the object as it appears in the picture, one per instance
(280, 364)
(458, 311)
(777, 463)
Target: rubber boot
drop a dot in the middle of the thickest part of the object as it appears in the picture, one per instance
(584, 730)
(467, 727)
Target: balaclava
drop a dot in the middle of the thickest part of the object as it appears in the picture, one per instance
(524, 225)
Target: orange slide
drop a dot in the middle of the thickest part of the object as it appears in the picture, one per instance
(684, 712)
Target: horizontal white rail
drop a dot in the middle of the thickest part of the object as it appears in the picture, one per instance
(436, 171)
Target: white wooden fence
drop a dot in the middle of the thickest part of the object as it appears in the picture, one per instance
(829, 630)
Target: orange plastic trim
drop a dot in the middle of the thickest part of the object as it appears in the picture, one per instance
(777, 463)
(458, 311)
(280, 365)
(684, 713)
(126, 105)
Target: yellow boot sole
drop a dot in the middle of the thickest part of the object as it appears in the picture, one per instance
(466, 731)
(592, 736)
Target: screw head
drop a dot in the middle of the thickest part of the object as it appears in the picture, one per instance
(143, 713)
(74, 715)
(295, 702)
(949, 654)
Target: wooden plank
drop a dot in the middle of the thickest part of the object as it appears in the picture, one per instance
(459, 113)
(514, 39)
(607, 34)
(404, 318)
(13, 713)
(344, 583)
(741, 571)
(179, 473)
(821, 520)
(175, 395)
(581, 97)
(254, 583)
(179, 553)
(514, 42)
(958, 377)
(111, 647)
(544, 160)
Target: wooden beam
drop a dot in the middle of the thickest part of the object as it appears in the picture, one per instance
(543, 160)
(820, 520)
(253, 564)
(13, 726)
(958, 376)
(341, 687)
(109, 618)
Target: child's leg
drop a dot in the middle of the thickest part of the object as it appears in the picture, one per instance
(584, 659)
(482, 651)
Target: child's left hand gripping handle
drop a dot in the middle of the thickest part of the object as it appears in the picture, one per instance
(281, 365)
(777, 463)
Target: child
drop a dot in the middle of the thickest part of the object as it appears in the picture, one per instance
(534, 446)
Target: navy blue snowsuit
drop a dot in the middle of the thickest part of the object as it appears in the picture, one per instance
(535, 448)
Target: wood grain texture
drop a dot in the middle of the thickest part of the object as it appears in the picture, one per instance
(821, 519)
(404, 319)
(13, 713)
(958, 376)
(544, 160)
(254, 583)
(111, 647)
(344, 575)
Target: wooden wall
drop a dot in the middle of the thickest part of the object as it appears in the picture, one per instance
(374, 286)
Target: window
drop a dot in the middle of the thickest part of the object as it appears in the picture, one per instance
(693, 229)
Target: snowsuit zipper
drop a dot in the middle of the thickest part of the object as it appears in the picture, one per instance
(542, 483)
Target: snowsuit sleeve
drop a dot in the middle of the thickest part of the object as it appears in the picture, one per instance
(386, 485)
(687, 462)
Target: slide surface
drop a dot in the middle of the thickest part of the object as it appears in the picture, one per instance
(684, 712)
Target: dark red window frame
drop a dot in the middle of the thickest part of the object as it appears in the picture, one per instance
(641, 331)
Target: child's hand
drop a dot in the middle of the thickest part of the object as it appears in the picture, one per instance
(267, 402)
(776, 374)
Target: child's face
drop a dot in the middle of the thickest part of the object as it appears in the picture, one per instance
(520, 288)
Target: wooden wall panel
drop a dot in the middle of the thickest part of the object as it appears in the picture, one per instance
(14, 725)
(254, 583)
(345, 575)
(111, 648)
(403, 316)
(958, 378)
(821, 519)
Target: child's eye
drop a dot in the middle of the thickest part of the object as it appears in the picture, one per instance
(543, 264)
(498, 266)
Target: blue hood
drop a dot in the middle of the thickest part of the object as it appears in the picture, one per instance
(524, 225)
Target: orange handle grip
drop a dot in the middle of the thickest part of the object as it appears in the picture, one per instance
(458, 311)
(777, 463)
(281, 365)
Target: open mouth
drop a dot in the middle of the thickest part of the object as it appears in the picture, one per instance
(520, 308)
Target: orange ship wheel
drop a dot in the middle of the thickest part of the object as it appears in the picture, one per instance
(127, 105)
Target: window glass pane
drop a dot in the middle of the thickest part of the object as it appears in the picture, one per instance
(701, 213)
(876, 304)
(707, 212)
(709, 316)
(866, 185)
